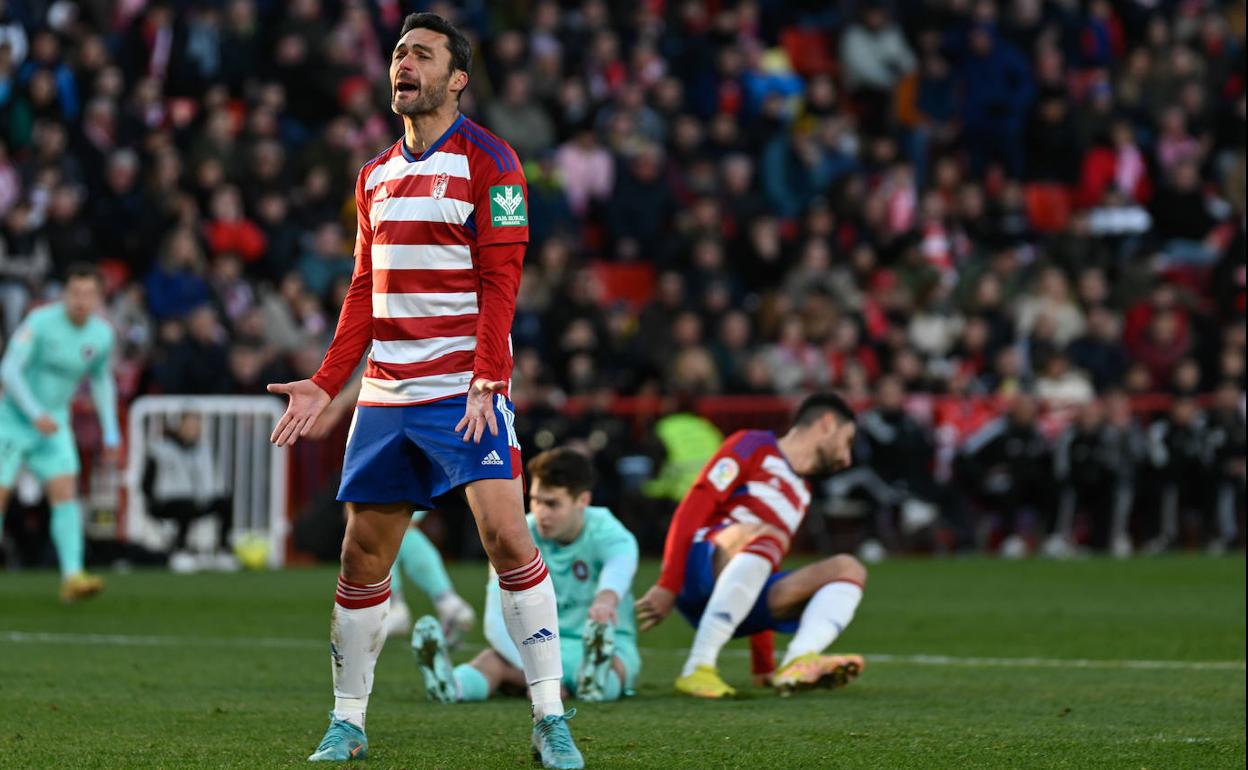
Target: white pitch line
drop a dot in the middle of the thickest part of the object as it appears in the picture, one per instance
(126, 640)
(974, 662)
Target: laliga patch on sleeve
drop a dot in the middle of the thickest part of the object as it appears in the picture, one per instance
(507, 206)
(723, 473)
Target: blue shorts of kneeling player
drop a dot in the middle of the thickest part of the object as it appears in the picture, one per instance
(700, 581)
(412, 454)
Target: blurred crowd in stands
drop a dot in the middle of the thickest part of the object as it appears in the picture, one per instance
(962, 198)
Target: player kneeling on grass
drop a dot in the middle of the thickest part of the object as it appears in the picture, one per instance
(592, 559)
(725, 544)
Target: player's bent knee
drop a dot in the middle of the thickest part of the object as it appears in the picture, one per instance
(508, 546)
(779, 535)
(61, 489)
(361, 565)
(846, 567)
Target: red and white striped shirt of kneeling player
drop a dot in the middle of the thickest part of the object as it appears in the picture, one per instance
(748, 481)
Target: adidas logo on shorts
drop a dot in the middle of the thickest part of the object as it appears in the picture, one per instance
(492, 459)
(543, 635)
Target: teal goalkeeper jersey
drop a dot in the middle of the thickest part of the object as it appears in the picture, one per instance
(46, 360)
(603, 556)
(577, 569)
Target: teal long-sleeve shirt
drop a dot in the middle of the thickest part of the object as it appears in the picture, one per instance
(602, 557)
(47, 358)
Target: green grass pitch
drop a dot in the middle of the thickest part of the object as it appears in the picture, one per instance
(233, 671)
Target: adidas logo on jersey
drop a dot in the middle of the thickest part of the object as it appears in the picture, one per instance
(543, 635)
(492, 459)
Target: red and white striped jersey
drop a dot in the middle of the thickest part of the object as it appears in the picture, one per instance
(749, 481)
(439, 248)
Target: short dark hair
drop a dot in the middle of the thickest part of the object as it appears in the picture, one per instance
(564, 467)
(84, 270)
(456, 43)
(819, 404)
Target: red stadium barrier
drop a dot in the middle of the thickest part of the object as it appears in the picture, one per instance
(315, 464)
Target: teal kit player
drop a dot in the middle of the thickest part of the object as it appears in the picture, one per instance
(592, 559)
(52, 351)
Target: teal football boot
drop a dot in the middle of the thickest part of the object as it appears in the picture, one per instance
(342, 741)
(596, 658)
(553, 745)
(429, 647)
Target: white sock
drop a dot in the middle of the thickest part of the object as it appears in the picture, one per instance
(532, 619)
(356, 634)
(447, 604)
(826, 615)
(736, 590)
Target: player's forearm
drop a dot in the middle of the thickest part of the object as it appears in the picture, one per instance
(499, 270)
(351, 338)
(617, 575)
(104, 395)
(689, 517)
(15, 384)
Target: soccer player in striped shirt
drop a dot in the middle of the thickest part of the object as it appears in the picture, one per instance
(721, 562)
(442, 228)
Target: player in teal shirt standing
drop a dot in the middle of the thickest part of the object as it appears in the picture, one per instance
(53, 349)
(592, 559)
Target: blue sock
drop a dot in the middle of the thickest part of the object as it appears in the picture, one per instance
(66, 526)
(422, 564)
(472, 683)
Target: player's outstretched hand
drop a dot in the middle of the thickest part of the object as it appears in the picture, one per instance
(652, 608)
(307, 401)
(46, 425)
(479, 410)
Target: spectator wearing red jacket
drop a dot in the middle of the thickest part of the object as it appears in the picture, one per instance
(1117, 165)
(230, 231)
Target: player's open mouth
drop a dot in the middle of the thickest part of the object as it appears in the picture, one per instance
(406, 88)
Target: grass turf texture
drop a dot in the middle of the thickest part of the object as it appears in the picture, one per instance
(191, 687)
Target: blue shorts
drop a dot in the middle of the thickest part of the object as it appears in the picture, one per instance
(412, 454)
(700, 581)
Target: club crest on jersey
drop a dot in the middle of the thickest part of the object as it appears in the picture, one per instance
(723, 473)
(507, 207)
(439, 185)
(580, 570)
(382, 193)
(88, 352)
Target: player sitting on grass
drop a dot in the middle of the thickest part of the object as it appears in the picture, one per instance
(725, 545)
(53, 350)
(592, 559)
